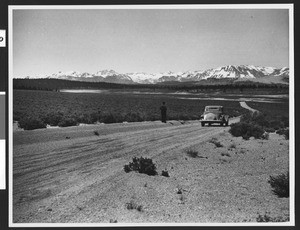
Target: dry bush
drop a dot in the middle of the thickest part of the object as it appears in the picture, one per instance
(246, 130)
(30, 123)
(280, 184)
(165, 173)
(225, 154)
(267, 218)
(192, 153)
(216, 142)
(141, 165)
(132, 205)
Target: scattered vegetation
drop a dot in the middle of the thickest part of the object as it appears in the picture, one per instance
(232, 146)
(284, 132)
(246, 130)
(68, 109)
(67, 121)
(225, 154)
(267, 218)
(28, 123)
(280, 184)
(179, 190)
(216, 142)
(258, 125)
(141, 165)
(242, 151)
(132, 205)
(181, 198)
(96, 133)
(192, 153)
(222, 160)
(165, 173)
(265, 136)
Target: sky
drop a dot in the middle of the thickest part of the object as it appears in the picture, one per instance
(147, 40)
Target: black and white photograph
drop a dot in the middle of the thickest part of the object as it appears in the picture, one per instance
(151, 115)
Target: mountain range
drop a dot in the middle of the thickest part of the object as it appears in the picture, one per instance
(230, 72)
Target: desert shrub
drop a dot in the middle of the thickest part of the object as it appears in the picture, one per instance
(133, 117)
(280, 184)
(53, 118)
(284, 132)
(260, 119)
(285, 121)
(30, 123)
(179, 190)
(192, 153)
(85, 119)
(165, 173)
(68, 121)
(267, 218)
(225, 154)
(265, 136)
(141, 165)
(95, 116)
(17, 115)
(216, 142)
(132, 205)
(184, 117)
(96, 133)
(268, 122)
(108, 118)
(232, 146)
(270, 130)
(246, 130)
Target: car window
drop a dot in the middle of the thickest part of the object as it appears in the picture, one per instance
(213, 109)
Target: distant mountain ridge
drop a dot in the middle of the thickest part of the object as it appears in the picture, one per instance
(230, 72)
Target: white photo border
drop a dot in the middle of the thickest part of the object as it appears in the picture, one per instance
(289, 7)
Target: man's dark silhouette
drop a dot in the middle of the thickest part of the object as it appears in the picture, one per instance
(163, 110)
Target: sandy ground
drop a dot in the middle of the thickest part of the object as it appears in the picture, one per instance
(71, 175)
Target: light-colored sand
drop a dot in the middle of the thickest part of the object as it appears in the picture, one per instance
(71, 175)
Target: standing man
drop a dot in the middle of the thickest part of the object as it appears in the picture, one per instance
(163, 110)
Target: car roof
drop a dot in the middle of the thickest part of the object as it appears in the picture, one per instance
(213, 106)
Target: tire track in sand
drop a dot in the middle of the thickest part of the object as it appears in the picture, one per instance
(72, 168)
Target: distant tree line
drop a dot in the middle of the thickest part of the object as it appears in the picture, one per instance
(58, 84)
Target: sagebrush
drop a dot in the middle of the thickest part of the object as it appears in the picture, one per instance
(216, 142)
(267, 218)
(280, 184)
(141, 165)
(246, 130)
(132, 205)
(29, 123)
(192, 153)
(258, 125)
(113, 107)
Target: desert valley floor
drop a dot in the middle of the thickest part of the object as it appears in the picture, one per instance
(71, 175)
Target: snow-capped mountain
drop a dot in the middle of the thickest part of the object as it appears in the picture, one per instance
(231, 72)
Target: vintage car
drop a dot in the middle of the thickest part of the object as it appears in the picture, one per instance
(214, 114)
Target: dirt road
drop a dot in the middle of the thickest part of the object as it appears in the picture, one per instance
(75, 174)
(244, 105)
